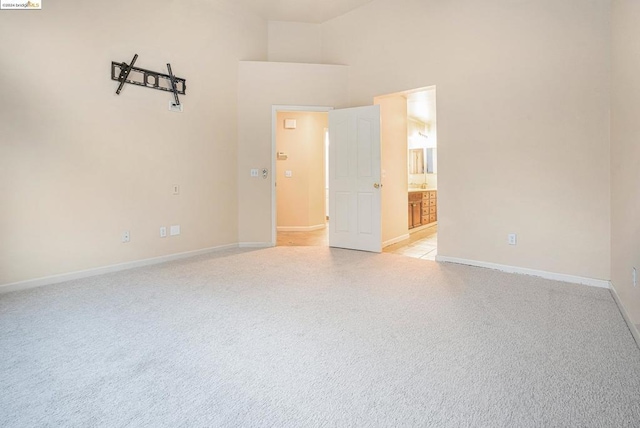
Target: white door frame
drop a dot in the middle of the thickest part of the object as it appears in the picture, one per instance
(274, 118)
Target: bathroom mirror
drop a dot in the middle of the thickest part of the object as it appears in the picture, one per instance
(416, 161)
(431, 161)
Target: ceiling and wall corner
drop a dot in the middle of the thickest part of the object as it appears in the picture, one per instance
(301, 11)
(295, 33)
(294, 42)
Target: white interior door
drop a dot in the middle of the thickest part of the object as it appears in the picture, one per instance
(354, 179)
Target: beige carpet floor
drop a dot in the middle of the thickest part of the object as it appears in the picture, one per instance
(315, 337)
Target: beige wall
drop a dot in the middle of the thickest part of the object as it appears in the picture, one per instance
(625, 154)
(79, 165)
(523, 140)
(301, 197)
(262, 85)
(295, 42)
(393, 135)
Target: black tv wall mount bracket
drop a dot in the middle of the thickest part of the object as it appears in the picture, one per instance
(128, 73)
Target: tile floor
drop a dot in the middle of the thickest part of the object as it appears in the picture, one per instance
(421, 244)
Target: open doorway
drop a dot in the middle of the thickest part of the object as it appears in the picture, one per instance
(406, 126)
(300, 167)
(409, 138)
(354, 179)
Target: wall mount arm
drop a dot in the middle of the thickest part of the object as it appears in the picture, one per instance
(128, 73)
(124, 73)
(173, 84)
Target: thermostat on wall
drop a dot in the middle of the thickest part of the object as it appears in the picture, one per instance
(289, 124)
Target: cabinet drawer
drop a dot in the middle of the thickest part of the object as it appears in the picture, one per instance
(432, 202)
(432, 195)
(425, 219)
(425, 195)
(415, 196)
(432, 209)
(432, 218)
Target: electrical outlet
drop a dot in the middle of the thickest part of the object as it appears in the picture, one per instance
(635, 277)
(176, 189)
(174, 230)
(288, 174)
(163, 232)
(513, 239)
(126, 237)
(255, 173)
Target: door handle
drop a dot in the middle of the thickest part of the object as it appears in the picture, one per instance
(377, 185)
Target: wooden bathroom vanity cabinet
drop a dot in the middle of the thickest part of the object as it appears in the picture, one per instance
(423, 207)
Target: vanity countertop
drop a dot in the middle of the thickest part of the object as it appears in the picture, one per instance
(423, 190)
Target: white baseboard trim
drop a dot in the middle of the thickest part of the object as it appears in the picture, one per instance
(633, 327)
(300, 228)
(423, 227)
(525, 271)
(55, 279)
(255, 245)
(395, 240)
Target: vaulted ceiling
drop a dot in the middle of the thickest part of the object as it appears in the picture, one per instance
(312, 11)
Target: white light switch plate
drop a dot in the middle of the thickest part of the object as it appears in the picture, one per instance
(175, 230)
(288, 174)
(255, 173)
